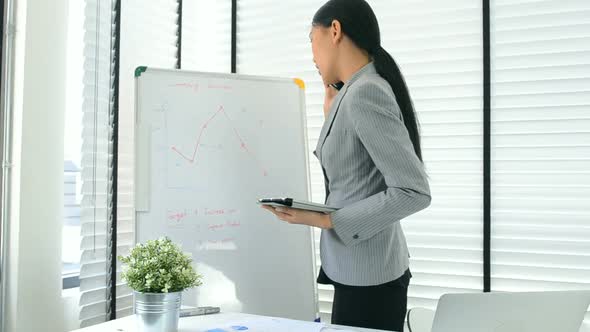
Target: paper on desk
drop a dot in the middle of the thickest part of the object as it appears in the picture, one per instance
(266, 324)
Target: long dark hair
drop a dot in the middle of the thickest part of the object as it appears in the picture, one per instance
(359, 23)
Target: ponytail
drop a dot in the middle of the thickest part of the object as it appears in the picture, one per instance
(360, 24)
(389, 70)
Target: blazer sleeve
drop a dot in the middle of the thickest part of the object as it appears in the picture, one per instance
(377, 121)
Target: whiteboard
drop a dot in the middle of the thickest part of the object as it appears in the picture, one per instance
(207, 146)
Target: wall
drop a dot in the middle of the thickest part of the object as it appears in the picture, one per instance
(34, 300)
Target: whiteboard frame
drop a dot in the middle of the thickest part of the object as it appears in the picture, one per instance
(142, 142)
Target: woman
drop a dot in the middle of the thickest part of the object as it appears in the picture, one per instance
(369, 149)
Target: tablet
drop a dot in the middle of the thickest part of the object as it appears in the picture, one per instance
(296, 204)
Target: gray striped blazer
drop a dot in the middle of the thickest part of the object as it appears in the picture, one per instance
(372, 173)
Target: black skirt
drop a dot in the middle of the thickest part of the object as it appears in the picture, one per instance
(377, 307)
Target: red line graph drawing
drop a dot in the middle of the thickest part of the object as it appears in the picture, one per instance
(193, 157)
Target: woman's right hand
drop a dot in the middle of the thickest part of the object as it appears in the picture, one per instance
(331, 92)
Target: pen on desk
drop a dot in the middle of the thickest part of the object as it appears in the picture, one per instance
(199, 311)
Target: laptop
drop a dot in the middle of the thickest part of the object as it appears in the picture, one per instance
(511, 312)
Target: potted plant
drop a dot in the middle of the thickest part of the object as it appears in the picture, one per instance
(158, 271)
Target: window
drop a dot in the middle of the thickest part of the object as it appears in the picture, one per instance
(159, 21)
(96, 170)
(73, 147)
(540, 145)
(274, 41)
(148, 38)
(540, 135)
(439, 48)
(206, 35)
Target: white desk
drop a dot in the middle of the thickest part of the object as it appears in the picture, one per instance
(195, 323)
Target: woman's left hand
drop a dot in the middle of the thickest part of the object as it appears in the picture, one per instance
(301, 217)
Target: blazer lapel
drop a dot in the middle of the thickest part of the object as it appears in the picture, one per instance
(367, 69)
(328, 123)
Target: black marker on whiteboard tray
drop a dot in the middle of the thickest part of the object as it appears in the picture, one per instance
(199, 311)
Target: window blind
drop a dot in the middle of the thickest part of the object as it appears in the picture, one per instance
(96, 157)
(438, 46)
(273, 40)
(148, 37)
(206, 35)
(540, 145)
(439, 49)
(70, 249)
(71, 236)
